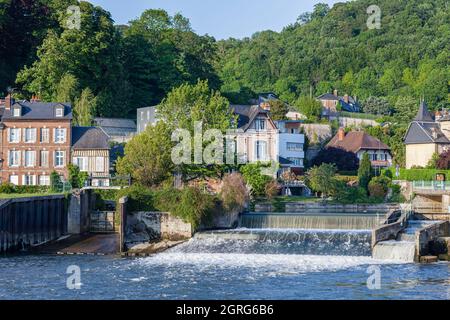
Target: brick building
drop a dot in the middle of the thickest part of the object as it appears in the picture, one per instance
(35, 140)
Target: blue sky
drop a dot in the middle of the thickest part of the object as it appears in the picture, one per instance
(219, 18)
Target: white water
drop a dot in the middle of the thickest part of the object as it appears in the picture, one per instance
(395, 250)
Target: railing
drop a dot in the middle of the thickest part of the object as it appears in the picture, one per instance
(431, 185)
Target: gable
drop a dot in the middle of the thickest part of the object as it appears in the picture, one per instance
(416, 134)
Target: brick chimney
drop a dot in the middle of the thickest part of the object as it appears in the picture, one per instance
(335, 92)
(9, 101)
(35, 98)
(346, 98)
(341, 134)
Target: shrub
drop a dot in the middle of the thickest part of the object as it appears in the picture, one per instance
(55, 182)
(31, 189)
(272, 189)
(140, 198)
(349, 195)
(254, 178)
(233, 194)
(379, 186)
(364, 171)
(77, 178)
(7, 188)
(417, 174)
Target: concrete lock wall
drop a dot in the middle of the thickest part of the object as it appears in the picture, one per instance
(144, 227)
(329, 208)
(78, 213)
(31, 221)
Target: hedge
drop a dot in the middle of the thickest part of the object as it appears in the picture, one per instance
(9, 188)
(417, 174)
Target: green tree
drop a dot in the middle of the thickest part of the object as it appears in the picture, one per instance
(309, 107)
(278, 110)
(322, 179)
(376, 105)
(55, 182)
(77, 178)
(148, 156)
(67, 89)
(84, 109)
(364, 171)
(254, 177)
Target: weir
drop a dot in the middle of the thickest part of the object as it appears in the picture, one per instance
(341, 221)
(281, 241)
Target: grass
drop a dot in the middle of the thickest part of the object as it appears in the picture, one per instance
(25, 195)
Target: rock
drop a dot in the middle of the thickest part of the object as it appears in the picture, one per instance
(428, 259)
(152, 247)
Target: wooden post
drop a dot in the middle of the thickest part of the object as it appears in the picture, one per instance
(123, 222)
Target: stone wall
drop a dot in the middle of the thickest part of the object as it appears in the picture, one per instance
(144, 227)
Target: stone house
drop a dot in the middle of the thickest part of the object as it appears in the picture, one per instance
(331, 101)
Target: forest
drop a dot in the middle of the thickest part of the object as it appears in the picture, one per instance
(122, 67)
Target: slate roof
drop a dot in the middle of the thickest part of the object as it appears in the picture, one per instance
(351, 106)
(423, 129)
(38, 111)
(357, 140)
(246, 114)
(89, 138)
(116, 126)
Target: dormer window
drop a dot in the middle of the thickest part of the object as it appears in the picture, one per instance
(17, 112)
(260, 124)
(59, 111)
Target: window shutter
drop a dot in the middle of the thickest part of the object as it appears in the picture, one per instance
(9, 158)
(8, 132)
(19, 134)
(65, 135)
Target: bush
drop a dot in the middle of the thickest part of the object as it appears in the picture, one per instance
(417, 174)
(31, 189)
(7, 188)
(55, 182)
(189, 204)
(140, 198)
(272, 189)
(233, 194)
(254, 178)
(348, 195)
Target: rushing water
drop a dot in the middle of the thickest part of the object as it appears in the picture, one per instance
(243, 264)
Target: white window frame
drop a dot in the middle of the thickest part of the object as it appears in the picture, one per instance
(42, 163)
(45, 135)
(16, 159)
(63, 156)
(14, 179)
(260, 124)
(44, 180)
(60, 135)
(294, 146)
(17, 135)
(81, 163)
(263, 144)
(99, 164)
(29, 158)
(16, 112)
(29, 135)
(59, 112)
(29, 180)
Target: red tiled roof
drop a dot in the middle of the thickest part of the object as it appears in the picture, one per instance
(356, 140)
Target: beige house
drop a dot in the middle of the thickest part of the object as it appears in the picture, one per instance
(426, 136)
(257, 136)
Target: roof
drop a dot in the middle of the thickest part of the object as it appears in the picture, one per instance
(89, 138)
(38, 111)
(351, 106)
(425, 132)
(115, 123)
(356, 140)
(284, 161)
(423, 114)
(246, 114)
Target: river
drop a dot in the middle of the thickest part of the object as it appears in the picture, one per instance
(230, 265)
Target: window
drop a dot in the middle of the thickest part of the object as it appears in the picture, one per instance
(59, 158)
(44, 158)
(60, 135)
(16, 112)
(59, 112)
(14, 158)
(261, 150)
(298, 162)
(14, 135)
(45, 135)
(30, 135)
(99, 164)
(28, 180)
(44, 180)
(81, 162)
(30, 157)
(260, 124)
(14, 179)
(292, 146)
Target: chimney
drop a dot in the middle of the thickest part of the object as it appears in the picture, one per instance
(265, 105)
(346, 98)
(335, 93)
(35, 98)
(9, 101)
(341, 134)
